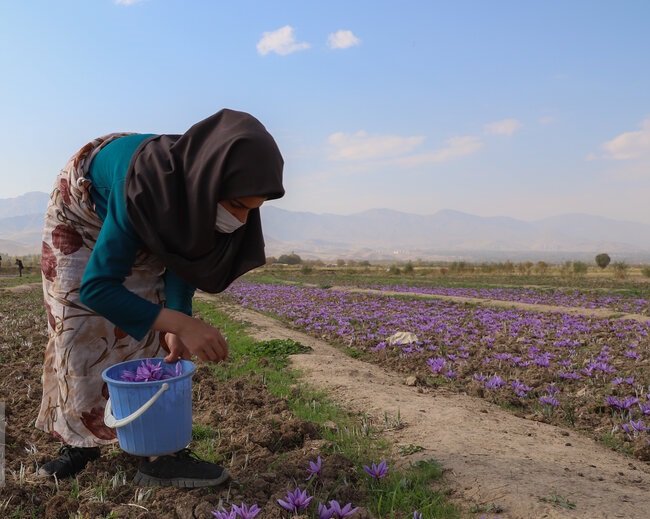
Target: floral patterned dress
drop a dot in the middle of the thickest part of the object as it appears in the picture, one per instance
(81, 343)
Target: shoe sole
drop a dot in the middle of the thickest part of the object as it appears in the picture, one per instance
(150, 481)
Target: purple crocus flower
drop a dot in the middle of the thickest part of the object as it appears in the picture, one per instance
(436, 364)
(417, 515)
(495, 382)
(629, 402)
(128, 376)
(340, 513)
(324, 512)
(246, 513)
(315, 468)
(521, 390)
(223, 514)
(633, 428)
(148, 371)
(612, 401)
(376, 471)
(552, 390)
(569, 375)
(549, 400)
(296, 501)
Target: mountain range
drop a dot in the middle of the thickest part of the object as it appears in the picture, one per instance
(388, 235)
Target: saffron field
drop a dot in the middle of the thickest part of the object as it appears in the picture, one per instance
(569, 298)
(585, 372)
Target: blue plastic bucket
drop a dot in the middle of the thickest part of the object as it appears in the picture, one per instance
(151, 418)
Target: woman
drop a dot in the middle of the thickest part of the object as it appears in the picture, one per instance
(136, 223)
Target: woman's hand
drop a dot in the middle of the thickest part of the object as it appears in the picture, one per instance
(177, 350)
(187, 335)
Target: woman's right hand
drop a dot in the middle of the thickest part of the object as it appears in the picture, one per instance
(200, 338)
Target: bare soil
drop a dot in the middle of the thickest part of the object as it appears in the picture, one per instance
(265, 448)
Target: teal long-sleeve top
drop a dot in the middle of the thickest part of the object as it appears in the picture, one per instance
(102, 286)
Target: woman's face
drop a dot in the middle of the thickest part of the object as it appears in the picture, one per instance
(239, 207)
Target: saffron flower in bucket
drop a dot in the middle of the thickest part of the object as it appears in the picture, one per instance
(149, 370)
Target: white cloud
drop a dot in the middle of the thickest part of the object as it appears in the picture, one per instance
(503, 127)
(454, 147)
(629, 145)
(282, 42)
(361, 146)
(342, 40)
(399, 150)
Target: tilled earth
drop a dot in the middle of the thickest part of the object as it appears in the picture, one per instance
(266, 450)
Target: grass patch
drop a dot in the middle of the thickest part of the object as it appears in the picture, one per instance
(610, 441)
(409, 490)
(277, 347)
(559, 500)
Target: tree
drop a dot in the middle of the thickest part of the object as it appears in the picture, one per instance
(602, 260)
(290, 259)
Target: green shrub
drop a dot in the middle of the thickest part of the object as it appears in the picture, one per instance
(580, 268)
(602, 260)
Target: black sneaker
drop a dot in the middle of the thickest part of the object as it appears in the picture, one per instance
(70, 462)
(182, 469)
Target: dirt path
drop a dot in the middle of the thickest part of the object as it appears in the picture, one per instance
(491, 457)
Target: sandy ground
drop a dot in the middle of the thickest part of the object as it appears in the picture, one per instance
(493, 460)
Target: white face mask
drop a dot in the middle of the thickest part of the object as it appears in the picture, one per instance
(226, 221)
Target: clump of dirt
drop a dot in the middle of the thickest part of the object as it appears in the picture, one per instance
(265, 448)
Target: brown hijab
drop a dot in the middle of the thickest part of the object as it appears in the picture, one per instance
(174, 183)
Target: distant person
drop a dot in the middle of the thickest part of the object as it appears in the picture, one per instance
(19, 264)
(137, 222)
(0, 262)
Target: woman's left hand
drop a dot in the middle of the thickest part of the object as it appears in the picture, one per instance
(177, 350)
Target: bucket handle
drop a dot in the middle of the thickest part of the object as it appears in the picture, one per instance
(114, 423)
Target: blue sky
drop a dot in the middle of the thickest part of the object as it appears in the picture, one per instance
(494, 108)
